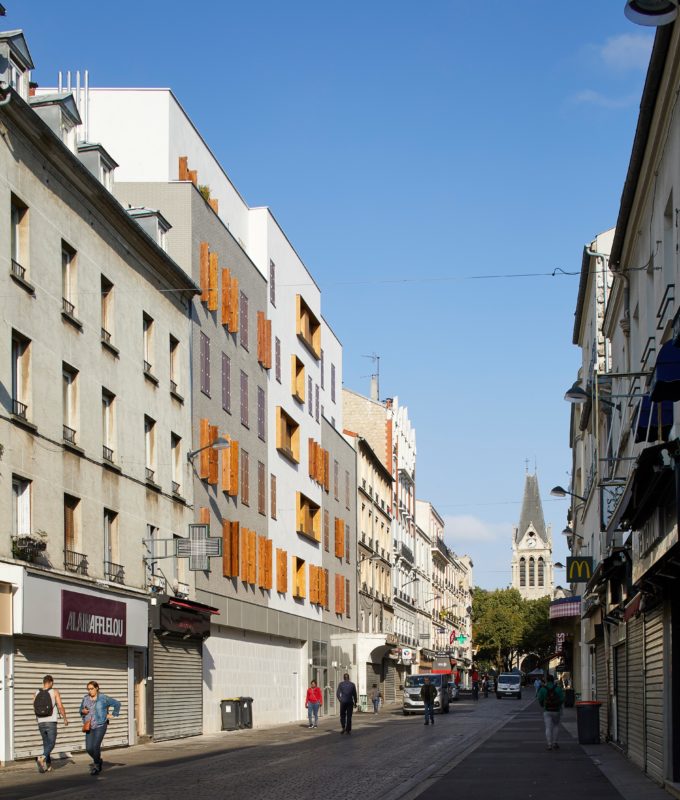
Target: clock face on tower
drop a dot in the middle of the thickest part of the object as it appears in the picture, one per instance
(531, 543)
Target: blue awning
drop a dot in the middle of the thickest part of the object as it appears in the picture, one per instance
(665, 383)
(655, 420)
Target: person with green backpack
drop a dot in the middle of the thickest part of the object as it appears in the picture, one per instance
(551, 700)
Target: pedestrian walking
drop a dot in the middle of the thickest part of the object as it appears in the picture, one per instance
(48, 708)
(485, 686)
(375, 698)
(551, 700)
(428, 694)
(538, 683)
(312, 703)
(97, 709)
(347, 695)
(475, 683)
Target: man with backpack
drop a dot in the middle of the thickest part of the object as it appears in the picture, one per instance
(551, 700)
(48, 707)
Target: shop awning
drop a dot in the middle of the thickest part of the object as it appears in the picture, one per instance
(633, 608)
(665, 382)
(192, 605)
(654, 420)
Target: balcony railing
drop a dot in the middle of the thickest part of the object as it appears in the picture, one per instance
(106, 336)
(150, 474)
(173, 387)
(114, 572)
(75, 562)
(175, 487)
(147, 366)
(69, 434)
(156, 583)
(107, 454)
(67, 307)
(19, 409)
(407, 553)
(18, 271)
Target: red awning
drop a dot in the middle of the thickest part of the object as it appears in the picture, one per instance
(192, 605)
(633, 608)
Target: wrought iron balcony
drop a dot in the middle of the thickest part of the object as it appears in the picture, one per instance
(18, 271)
(107, 454)
(19, 409)
(69, 434)
(407, 553)
(67, 307)
(114, 572)
(150, 474)
(75, 562)
(175, 487)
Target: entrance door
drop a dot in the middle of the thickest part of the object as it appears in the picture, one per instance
(320, 675)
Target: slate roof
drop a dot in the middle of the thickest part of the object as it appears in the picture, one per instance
(532, 510)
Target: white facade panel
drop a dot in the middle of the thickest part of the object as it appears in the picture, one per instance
(244, 664)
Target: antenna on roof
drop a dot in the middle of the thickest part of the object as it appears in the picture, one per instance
(375, 377)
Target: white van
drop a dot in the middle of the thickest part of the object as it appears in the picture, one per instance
(413, 704)
(509, 684)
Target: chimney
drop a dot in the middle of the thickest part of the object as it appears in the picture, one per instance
(32, 86)
(375, 393)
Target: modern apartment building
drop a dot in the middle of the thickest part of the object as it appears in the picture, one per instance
(94, 436)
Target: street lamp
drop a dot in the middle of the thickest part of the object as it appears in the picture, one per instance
(652, 13)
(219, 444)
(569, 532)
(558, 491)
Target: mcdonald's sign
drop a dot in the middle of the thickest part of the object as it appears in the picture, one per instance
(579, 569)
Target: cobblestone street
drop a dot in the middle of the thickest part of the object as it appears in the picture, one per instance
(286, 762)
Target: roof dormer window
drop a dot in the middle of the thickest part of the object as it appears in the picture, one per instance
(15, 62)
(98, 161)
(17, 77)
(154, 224)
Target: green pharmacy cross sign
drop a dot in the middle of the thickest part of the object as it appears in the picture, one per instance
(199, 548)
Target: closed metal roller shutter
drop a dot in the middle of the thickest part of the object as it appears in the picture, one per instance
(602, 687)
(72, 666)
(635, 685)
(654, 693)
(621, 694)
(177, 687)
(391, 683)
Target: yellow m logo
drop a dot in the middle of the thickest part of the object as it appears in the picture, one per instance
(579, 570)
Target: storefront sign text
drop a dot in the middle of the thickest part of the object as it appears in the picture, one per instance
(85, 618)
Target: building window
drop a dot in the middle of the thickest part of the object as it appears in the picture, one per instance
(277, 356)
(108, 426)
(347, 495)
(316, 402)
(297, 379)
(299, 582)
(308, 327)
(70, 403)
(272, 495)
(152, 549)
(336, 480)
(310, 396)
(308, 517)
(245, 478)
(541, 572)
(107, 330)
(272, 283)
(323, 375)
(261, 489)
(204, 357)
(175, 382)
(21, 506)
(260, 413)
(150, 448)
(147, 332)
(243, 310)
(111, 554)
(21, 352)
(71, 527)
(226, 383)
(333, 382)
(68, 279)
(244, 399)
(532, 577)
(287, 436)
(19, 238)
(176, 462)
(326, 530)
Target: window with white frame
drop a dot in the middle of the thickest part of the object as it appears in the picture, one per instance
(21, 506)
(111, 552)
(19, 237)
(107, 310)
(70, 402)
(68, 279)
(108, 425)
(175, 380)
(21, 352)
(150, 448)
(176, 462)
(147, 333)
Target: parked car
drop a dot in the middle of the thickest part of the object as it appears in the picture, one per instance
(454, 690)
(509, 685)
(412, 702)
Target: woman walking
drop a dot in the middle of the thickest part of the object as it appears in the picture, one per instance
(96, 709)
(312, 703)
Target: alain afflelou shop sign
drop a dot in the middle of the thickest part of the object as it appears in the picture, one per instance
(85, 618)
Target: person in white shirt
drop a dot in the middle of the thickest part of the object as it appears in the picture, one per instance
(48, 708)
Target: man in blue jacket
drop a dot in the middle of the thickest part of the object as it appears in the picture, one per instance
(347, 695)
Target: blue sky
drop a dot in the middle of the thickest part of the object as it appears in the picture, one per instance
(407, 150)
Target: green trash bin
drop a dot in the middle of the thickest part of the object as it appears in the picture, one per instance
(230, 712)
(246, 708)
(588, 721)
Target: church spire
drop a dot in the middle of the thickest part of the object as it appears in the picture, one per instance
(532, 510)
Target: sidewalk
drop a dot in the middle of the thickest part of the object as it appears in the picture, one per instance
(514, 764)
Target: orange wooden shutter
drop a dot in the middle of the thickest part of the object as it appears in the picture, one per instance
(204, 516)
(311, 453)
(234, 548)
(233, 471)
(260, 561)
(252, 557)
(339, 538)
(183, 174)
(244, 555)
(226, 548)
(225, 469)
(233, 305)
(268, 564)
(213, 456)
(214, 204)
(281, 571)
(193, 176)
(213, 288)
(226, 291)
(260, 336)
(327, 470)
(204, 455)
(327, 589)
(205, 271)
(313, 585)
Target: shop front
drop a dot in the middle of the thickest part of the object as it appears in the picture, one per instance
(177, 631)
(76, 634)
